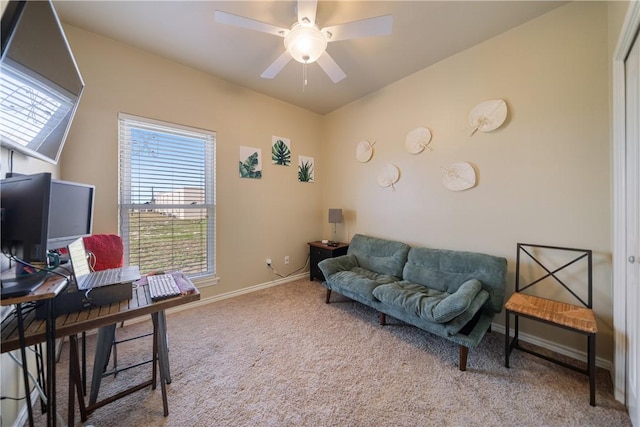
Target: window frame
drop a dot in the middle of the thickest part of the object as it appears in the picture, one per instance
(126, 205)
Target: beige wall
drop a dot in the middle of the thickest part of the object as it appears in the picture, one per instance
(544, 177)
(271, 217)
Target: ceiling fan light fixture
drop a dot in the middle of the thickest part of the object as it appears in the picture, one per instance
(305, 44)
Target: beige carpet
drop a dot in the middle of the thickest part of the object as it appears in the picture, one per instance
(282, 357)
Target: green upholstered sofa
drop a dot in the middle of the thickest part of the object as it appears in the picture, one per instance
(452, 294)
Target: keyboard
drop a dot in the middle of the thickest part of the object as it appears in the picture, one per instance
(162, 286)
(101, 278)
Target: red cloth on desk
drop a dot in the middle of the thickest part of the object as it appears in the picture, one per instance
(108, 250)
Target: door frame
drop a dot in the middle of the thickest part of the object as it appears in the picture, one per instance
(628, 34)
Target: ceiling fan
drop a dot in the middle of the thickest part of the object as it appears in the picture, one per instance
(306, 42)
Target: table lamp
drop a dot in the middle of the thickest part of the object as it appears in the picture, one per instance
(335, 217)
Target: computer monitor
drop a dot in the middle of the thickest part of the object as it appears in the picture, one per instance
(40, 214)
(24, 200)
(70, 212)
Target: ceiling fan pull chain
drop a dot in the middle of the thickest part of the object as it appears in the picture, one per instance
(304, 75)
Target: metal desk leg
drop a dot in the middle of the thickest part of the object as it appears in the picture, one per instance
(103, 349)
(51, 364)
(156, 359)
(23, 354)
(163, 346)
(75, 383)
(84, 362)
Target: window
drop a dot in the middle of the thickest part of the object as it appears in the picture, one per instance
(167, 196)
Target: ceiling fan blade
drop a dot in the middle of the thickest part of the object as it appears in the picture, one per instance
(251, 24)
(379, 26)
(277, 66)
(330, 67)
(307, 9)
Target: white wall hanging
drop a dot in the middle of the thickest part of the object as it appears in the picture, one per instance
(364, 151)
(459, 176)
(389, 175)
(417, 140)
(488, 115)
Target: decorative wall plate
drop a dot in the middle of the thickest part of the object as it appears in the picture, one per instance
(364, 151)
(417, 140)
(488, 115)
(459, 176)
(388, 176)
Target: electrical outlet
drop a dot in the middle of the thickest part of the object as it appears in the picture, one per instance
(268, 262)
(286, 259)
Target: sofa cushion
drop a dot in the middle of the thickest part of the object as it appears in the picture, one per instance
(447, 270)
(429, 304)
(379, 255)
(359, 280)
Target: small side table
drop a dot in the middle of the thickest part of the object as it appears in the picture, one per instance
(319, 251)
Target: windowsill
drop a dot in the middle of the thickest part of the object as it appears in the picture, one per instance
(204, 282)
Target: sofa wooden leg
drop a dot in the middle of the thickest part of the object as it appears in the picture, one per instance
(464, 352)
(383, 319)
(328, 296)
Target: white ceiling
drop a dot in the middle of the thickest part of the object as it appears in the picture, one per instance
(424, 32)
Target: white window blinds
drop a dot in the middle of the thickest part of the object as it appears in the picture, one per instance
(167, 196)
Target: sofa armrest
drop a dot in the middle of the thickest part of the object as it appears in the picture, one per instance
(456, 303)
(331, 266)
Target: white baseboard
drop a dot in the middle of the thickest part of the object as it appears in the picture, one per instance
(557, 348)
(23, 414)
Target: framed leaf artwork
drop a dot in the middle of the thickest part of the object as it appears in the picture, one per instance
(280, 151)
(305, 169)
(250, 162)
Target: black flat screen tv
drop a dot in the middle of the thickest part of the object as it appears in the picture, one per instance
(40, 84)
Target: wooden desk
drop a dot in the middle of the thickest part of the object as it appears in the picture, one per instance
(45, 293)
(68, 325)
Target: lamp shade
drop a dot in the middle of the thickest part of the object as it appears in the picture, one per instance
(305, 44)
(335, 216)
